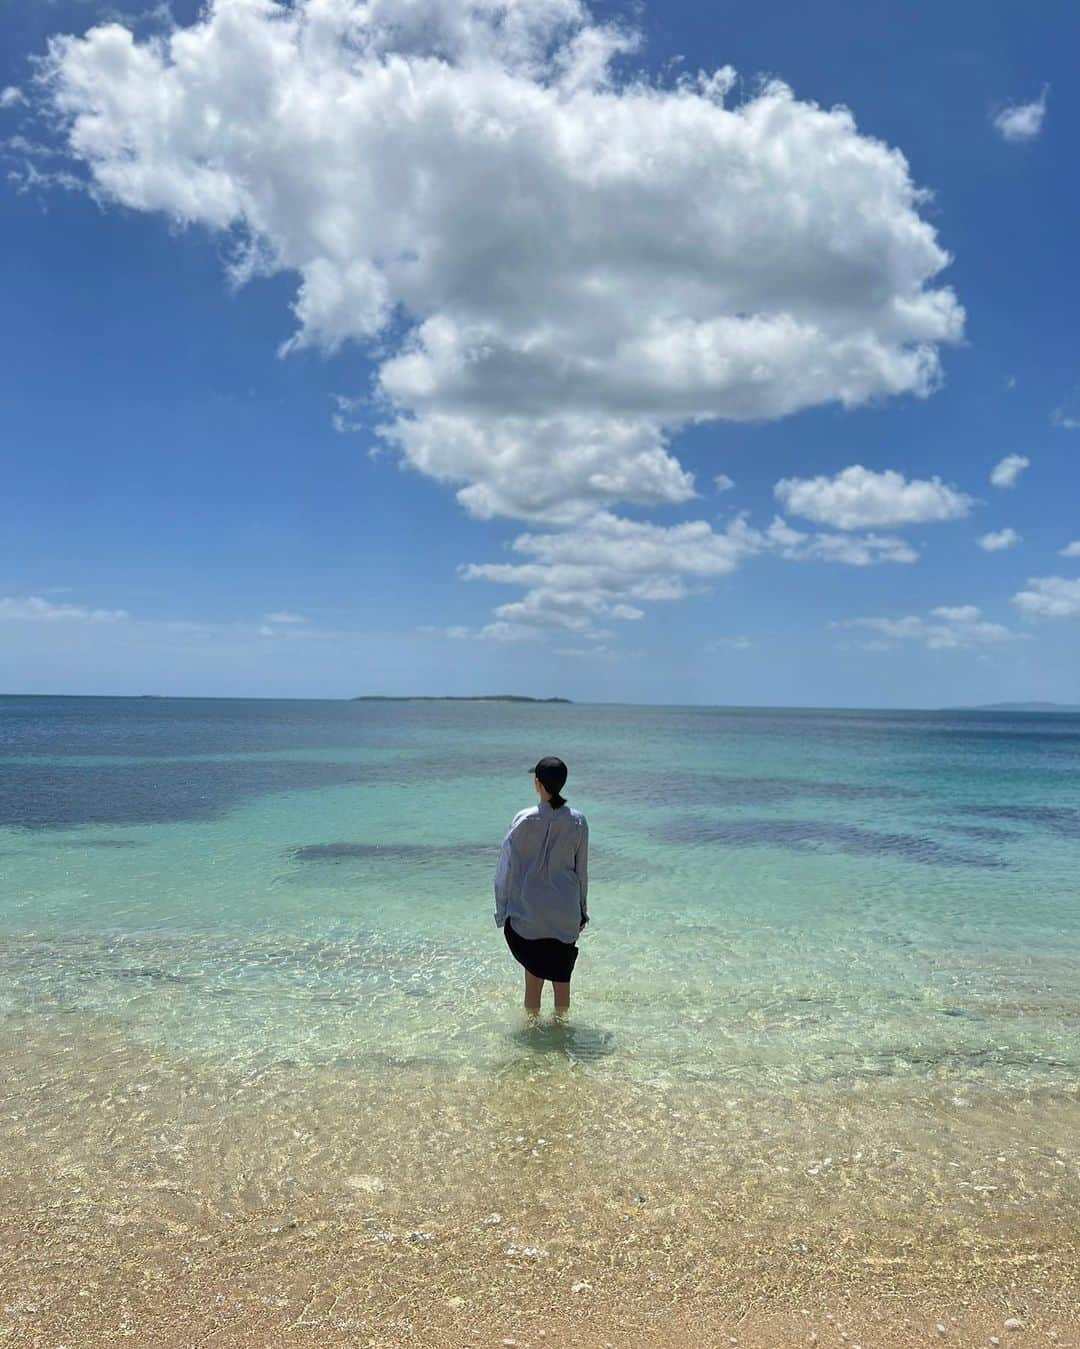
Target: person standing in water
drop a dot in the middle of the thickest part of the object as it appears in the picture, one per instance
(541, 884)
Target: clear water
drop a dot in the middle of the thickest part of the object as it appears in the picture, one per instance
(776, 896)
(830, 979)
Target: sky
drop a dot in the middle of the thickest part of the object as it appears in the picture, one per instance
(628, 353)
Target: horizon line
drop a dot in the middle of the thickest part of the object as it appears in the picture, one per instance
(1034, 705)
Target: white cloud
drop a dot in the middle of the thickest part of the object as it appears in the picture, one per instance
(729, 644)
(10, 96)
(1071, 549)
(442, 176)
(600, 650)
(1022, 121)
(34, 609)
(456, 630)
(553, 470)
(855, 550)
(1059, 417)
(1049, 597)
(995, 541)
(1006, 473)
(605, 570)
(723, 483)
(609, 566)
(26, 177)
(348, 414)
(858, 498)
(946, 628)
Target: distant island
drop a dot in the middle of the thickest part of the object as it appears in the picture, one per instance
(1020, 707)
(452, 698)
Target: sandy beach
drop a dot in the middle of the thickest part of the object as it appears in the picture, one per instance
(150, 1202)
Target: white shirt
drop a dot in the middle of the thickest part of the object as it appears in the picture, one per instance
(542, 878)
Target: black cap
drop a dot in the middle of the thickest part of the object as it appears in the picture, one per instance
(552, 773)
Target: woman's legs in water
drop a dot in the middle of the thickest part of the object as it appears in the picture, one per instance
(533, 989)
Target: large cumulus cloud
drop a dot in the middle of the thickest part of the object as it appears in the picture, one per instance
(556, 267)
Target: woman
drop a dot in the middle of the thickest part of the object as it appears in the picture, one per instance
(541, 884)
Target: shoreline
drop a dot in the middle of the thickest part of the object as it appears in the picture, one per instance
(165, 1201)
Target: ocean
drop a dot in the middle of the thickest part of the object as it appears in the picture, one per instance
(248, 963)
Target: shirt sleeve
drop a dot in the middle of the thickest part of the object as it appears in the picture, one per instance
(581, 866)
(503, 875)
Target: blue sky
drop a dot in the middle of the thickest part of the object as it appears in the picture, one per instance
(183, 515)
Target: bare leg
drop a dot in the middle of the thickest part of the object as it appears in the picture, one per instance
(562, 996)
(533, 989)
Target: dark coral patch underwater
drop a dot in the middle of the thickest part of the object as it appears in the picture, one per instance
(808, 835)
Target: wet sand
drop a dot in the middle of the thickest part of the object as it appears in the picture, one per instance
(152, 1200)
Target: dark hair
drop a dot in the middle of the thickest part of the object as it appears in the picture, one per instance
(551, 773)
(556, 799)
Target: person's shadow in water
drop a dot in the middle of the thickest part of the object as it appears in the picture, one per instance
(540, 1035)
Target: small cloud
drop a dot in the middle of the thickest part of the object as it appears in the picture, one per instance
(458, 631)
(729, 644)
(994, 542)
(860, 498)
(265, 631)
(1006, 473)
(723, 482)
(503, 630)
(34, 609)
(1071, 549)
(1022, 121)
(159, 16)
(1049, 597)
(345, 418)
(956, 613)
(11, 96)
(1010, 381)
(1060, 418)
(854, 550)
(29, 178)
(947, 627)
(284, 616)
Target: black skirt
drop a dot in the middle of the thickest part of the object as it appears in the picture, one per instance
(543, 957)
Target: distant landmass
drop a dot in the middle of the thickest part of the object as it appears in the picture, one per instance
(1020, 707)
(452, 698)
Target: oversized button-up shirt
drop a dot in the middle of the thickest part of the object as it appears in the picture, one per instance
(542, 878)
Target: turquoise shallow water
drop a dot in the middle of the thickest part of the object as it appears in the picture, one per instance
(778, 898)
(259, 1031)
